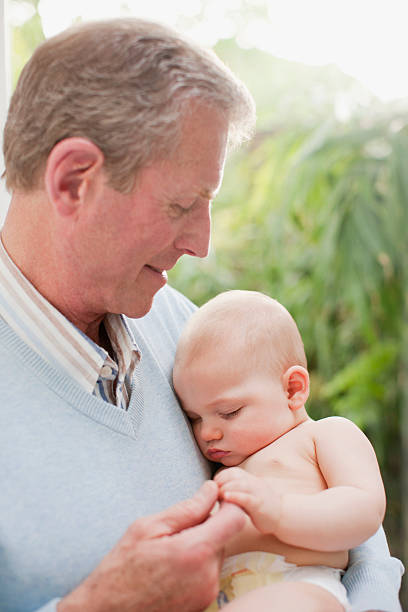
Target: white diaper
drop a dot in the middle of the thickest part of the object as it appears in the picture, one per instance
(247, 571)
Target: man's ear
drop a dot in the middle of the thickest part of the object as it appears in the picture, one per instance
(72, 166)
(296, 385)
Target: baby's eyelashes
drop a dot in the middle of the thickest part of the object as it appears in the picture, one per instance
(232, 414)
(195, 419)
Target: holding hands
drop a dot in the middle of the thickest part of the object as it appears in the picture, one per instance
(168, 561)
(253, 495)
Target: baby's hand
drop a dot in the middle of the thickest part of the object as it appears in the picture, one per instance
(252, 494)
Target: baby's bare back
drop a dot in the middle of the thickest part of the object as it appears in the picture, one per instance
(290, 465)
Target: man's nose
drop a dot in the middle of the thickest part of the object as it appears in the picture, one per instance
(194, 238)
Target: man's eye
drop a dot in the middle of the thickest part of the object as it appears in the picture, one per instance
(177, 210)
(231, 415)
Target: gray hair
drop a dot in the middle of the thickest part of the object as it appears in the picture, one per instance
(124, 84)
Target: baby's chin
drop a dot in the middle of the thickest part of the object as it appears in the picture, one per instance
(232, 461)
(224, 458)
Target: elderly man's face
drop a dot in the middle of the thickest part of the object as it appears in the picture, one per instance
(132, 240)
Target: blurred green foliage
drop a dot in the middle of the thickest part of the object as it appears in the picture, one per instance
(25, 39)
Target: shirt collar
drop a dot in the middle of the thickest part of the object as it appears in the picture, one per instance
(54, 337)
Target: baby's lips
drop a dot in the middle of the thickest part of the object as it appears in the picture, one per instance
(216, 454)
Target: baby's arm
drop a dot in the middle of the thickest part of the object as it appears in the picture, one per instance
(345, 514)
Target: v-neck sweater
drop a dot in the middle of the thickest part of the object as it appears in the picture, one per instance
(77, 471)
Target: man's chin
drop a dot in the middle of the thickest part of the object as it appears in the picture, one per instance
(141, 307)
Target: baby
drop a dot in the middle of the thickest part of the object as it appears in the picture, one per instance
(311, 489)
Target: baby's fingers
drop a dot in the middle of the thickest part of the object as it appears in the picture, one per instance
(230, 474)
(246, 501)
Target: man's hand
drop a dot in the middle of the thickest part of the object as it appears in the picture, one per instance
(166, 562)
(252, 494)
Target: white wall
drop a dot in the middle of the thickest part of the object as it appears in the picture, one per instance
(4, 96)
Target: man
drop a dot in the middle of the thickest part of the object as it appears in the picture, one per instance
(114, 148)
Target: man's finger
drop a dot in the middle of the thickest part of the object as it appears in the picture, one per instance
(183, 515)
(219, 527)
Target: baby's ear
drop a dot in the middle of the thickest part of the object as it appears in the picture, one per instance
(296, 385)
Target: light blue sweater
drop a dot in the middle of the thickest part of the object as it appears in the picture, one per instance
(76, 471)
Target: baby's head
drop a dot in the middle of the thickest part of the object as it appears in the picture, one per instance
(240, 374)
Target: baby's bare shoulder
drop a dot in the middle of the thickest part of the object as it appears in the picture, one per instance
(335, 422)
(337, 426)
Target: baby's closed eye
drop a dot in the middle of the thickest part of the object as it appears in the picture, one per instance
(232, 413)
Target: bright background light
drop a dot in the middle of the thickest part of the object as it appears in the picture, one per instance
(366, 39)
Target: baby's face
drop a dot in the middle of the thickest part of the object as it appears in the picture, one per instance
(234, 410)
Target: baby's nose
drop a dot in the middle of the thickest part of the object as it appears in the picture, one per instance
(210, 432)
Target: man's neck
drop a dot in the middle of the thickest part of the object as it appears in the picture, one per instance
(26, 239)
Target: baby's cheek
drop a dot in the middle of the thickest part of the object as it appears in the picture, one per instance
(199, 440)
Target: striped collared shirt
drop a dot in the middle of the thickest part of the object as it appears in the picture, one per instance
(62, 344)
